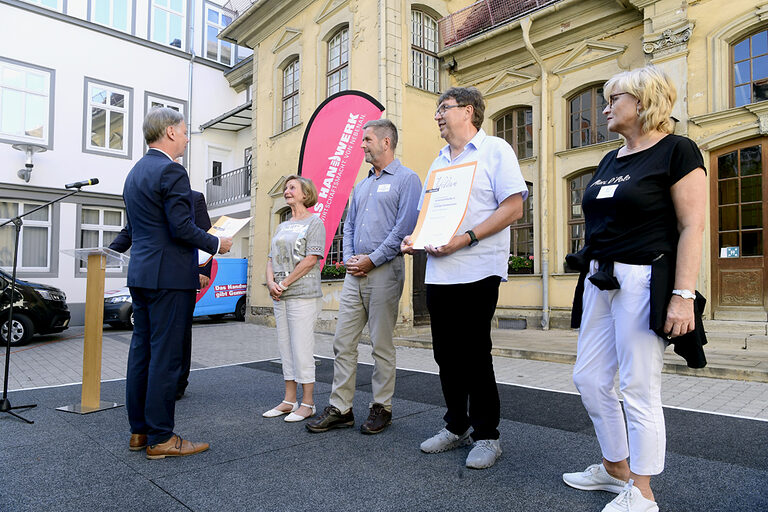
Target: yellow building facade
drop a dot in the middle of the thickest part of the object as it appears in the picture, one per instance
(541, 66)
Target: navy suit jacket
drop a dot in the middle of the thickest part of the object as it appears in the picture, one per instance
(164, 237)
(122, 241)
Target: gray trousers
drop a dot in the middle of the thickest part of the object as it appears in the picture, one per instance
(373, 299)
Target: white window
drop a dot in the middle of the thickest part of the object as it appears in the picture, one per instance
(108, 118)
(112, 13)
(243, 53)
(424, 64)
(56, 5)
(157, 101)
(25, 103)
(34, 238)
(338, 62)
(291, 94)
(215, 20)
(98, 227)
(167, 22)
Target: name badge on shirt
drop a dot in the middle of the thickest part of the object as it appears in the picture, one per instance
(606, 191)
(383, 188)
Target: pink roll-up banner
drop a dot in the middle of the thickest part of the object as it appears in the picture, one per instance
(331, 153)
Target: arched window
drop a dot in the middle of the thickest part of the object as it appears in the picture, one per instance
(750, 69)
(576, 187)
(291, 94)
(516, 127)
(521, 239)
(424, 63)
(587, 123)
(338, 62)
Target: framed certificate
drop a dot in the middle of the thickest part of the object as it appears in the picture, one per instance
(445, 204)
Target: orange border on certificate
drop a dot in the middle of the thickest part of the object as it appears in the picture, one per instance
(430, 184)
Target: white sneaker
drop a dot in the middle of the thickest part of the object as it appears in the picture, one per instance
(594, 478)
(484, 454)
(631, 500)
(445, 440)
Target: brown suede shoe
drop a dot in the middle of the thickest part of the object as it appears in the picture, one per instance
(377, 421)
(137, 442)
(175, 447)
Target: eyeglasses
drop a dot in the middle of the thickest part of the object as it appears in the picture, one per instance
(442, 108)
(612, 98)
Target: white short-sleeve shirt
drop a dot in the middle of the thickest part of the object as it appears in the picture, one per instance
(497, 177)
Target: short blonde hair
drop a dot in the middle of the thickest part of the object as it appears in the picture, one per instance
(655, 91)
(307, 188)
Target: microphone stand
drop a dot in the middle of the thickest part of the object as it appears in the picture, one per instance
(5, 404)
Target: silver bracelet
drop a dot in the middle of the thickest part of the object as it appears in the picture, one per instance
(282, 286)
(686, 294)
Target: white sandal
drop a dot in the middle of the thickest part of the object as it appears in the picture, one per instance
(274, 413)
(293, 417)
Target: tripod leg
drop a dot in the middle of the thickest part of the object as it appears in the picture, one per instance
(16, 415)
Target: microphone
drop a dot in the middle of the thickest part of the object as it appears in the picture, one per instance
(84, 183)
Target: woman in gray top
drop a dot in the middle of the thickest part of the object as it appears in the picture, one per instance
(293, 279)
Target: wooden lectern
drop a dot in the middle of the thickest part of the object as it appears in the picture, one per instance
(97, 259)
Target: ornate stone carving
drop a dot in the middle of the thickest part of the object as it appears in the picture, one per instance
(668, 39)
(741, 288)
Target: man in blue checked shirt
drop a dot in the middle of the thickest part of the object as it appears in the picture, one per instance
(463, 277)
(381, 213)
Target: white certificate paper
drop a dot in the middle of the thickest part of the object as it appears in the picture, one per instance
(224, 227)
(444, 206)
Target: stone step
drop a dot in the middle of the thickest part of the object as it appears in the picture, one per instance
(735, 326)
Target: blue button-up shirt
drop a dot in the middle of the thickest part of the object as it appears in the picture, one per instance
(381, 213)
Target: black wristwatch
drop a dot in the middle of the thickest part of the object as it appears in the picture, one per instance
(473, 241)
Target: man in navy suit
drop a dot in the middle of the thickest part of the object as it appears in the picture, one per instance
(122, 243)
(162, 277)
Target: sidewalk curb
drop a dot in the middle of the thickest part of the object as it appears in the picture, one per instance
(714, 372)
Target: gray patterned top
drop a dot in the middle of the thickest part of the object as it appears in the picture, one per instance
(294, 240)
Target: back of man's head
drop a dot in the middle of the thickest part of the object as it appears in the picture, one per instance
(384, 128)
(157, 120)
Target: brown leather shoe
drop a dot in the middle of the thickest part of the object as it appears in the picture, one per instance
(175, 447)
(137, 442)
(377, 421)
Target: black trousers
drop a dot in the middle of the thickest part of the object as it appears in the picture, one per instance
(461, 317)
(186, 359)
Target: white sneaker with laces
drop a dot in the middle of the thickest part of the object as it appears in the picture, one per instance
(484, 454)
(631, 500)
(594, 478)
(445, 440)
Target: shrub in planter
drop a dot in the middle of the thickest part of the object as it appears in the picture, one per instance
(520, 264)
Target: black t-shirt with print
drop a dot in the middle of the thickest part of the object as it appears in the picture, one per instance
(628, 209)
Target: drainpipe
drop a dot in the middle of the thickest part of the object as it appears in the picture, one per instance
(543, 160)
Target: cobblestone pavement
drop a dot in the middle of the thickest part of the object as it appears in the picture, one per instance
(57, 360)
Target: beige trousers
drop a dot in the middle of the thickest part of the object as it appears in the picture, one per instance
(373, 299)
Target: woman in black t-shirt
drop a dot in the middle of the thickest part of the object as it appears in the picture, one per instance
(645, 203)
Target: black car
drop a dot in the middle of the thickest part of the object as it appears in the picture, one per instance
(37, 309)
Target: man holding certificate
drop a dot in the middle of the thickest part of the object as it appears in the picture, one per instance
(474, 185)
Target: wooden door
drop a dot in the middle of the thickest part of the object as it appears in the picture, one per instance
(739, 181)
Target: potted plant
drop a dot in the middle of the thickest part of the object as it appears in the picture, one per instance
(332, 271)
(520, 264)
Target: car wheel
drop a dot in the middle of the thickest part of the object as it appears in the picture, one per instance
(240, 310)
(216, 317)
(130, 320)
(21, 333)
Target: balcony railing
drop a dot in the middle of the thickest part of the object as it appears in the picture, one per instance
(228, 188)
(484, 15)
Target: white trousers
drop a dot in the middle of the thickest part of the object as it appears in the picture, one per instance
(615, 335)
(295, 319)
